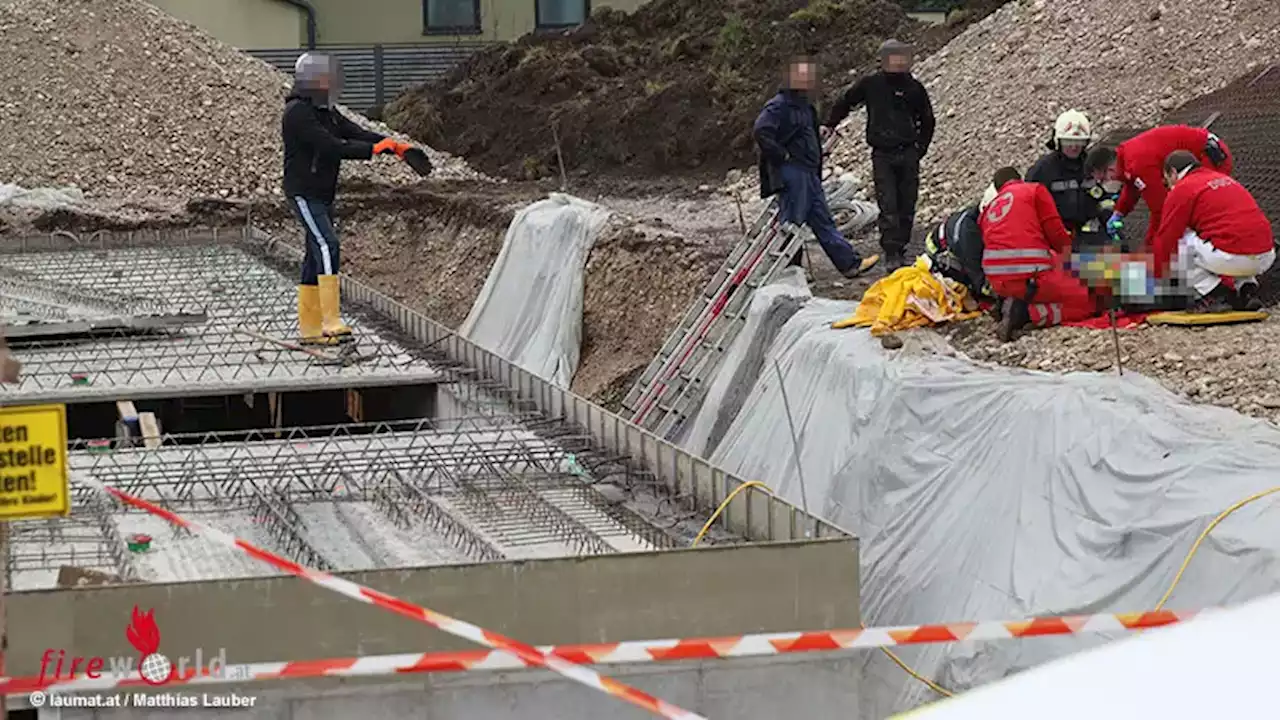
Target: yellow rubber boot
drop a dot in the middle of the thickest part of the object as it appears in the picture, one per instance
(310, 329)
(331, 309)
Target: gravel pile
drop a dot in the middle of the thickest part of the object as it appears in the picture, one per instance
(998, 86)
(126, 102)
(1228, 366)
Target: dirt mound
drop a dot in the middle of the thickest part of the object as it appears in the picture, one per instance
(124, 101)
(998, 86)
(674, 86)
(639, 280)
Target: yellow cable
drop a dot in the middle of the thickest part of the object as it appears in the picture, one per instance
(707, 527)
(1196, 546)
(756, 483)
(1186, 562)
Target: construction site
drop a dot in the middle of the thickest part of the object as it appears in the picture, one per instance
(592, 403)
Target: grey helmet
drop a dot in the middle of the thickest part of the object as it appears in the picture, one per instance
(319, 75)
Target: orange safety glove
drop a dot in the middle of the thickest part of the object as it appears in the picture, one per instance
(390, 145)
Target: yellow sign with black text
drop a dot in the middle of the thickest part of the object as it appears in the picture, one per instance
(33, 462)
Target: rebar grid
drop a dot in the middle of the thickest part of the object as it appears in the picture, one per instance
(310, 467)
(491, 469)
(235, 290)
(402, 502)
(67, 300)
(276, 514)
(121, 558)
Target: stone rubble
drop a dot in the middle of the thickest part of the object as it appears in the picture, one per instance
(125, 102)
(998, 86)
(1231, 366)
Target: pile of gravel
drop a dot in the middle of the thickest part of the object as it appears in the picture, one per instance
(998, 86)
(126, 102)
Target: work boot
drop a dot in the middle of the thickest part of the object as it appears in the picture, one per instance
(861, 268)
(894, 262)
(1220, 299)
(331, 324)
(1014, 317)
(310, 328)
(1247, 297)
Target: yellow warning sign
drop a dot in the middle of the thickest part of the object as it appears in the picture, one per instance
(33, 462)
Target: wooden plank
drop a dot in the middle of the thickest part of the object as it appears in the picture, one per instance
(150, 430)
(128, 413)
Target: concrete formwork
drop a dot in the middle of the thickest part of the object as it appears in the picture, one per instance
(801, 574)
(635, 596)
(821, 685)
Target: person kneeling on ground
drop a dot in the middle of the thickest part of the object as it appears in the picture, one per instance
(317, 138)
(1026, 247)
(791, 164)
(954, 246)
(1216, 230)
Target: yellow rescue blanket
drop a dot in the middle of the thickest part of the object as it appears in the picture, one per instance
(911, 297)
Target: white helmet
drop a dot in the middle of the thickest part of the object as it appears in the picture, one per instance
(1072, 125)
(987, 197)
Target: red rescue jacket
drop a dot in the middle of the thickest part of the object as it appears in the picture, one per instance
(1140, 160)
(1219, 209)
(1021, 229)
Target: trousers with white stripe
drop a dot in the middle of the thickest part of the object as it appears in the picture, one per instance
(321, 239)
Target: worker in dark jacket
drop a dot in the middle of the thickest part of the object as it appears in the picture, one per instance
(317, 138)
(791, 163)
(899, 129)
(954, 246)
(1062, 171)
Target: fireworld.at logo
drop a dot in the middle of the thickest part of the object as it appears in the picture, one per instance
(154, 668)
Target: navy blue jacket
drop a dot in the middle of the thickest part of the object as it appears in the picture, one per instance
(786, 132)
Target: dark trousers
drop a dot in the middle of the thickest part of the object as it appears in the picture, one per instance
(804, 202)
(321, 239)
(897, 178)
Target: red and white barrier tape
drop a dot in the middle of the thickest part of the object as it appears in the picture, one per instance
(639, 651)
(527, 654)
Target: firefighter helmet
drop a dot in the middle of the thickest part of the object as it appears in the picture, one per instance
(1072, 125)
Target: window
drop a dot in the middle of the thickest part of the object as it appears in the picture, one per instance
(555, 14)
(451, 17)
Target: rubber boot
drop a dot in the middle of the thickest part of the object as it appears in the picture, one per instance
(310, 328)
(331, 309)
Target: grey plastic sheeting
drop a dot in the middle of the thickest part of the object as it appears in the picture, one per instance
(989, 494)
(530, 308)
(771, 307)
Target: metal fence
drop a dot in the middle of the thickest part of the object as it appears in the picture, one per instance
(375, 74)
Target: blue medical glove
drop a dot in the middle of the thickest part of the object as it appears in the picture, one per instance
(1115, 224)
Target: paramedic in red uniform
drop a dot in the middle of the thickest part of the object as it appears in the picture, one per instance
(1211, 229)
(1025, 248)
(1139, 163)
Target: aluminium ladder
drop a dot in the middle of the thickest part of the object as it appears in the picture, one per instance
(671, 388)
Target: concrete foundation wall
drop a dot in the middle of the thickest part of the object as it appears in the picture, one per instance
(712, 591)
(819, 685)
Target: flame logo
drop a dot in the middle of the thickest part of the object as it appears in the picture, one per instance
(144, 635)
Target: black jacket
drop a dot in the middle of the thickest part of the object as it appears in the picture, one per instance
(899, 114)
(1069, 184)
(316, 140)
(786, 131)
(955, 245)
